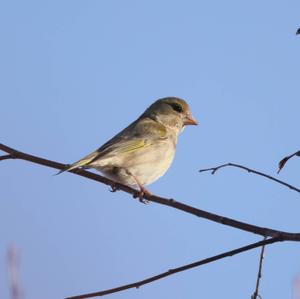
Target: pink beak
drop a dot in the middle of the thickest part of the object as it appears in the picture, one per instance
(190, 120)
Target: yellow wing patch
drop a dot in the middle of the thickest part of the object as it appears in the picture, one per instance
(134, 145)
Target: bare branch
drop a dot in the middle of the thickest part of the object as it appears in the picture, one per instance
(282, 163)
(215, 169)
(259, 275)
(263, 231)
(179, 269)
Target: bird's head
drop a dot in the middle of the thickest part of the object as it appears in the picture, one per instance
(171, 112)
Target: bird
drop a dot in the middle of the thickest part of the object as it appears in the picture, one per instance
(143, 151)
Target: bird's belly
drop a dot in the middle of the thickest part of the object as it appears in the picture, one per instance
(147, 165)
(149, 170)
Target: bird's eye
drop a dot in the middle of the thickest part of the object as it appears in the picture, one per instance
(177, 107)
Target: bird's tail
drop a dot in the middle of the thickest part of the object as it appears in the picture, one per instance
(84, 162)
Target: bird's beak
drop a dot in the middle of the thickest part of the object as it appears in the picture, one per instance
(190, 120)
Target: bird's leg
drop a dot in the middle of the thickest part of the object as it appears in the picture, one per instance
(143, 191)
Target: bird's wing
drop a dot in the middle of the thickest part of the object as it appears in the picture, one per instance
(137, 136)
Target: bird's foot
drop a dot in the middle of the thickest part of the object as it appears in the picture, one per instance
(141, 193)
(113, 187)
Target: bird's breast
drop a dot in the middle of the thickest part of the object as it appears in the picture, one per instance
(147, 164)
(152, 163)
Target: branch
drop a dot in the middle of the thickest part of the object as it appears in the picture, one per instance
(179, 269)
(263, 231)
(5, 157)
(259, 275)
(282, 163)
(215, 169)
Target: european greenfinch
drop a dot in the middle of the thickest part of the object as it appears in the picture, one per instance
(142, 152)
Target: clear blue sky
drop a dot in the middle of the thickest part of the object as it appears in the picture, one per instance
(74, 73)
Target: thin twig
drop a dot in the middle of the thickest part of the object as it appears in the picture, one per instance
(282, 162)
(215, 169)
(263, 231)
(259, 274)
(179, 269)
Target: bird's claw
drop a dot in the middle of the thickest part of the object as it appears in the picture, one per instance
(113, 187)
(144, 201)
(140, 195)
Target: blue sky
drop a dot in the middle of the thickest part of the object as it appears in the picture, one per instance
(74, 73)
